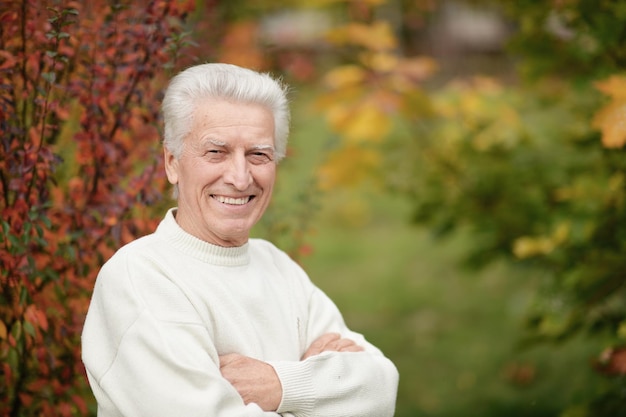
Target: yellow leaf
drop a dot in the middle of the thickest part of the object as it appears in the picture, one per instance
(361, 123)
(614, 86)
(526, 247)
(3, 331)
(345, 75)
(611, 121)
(377, 36)
(380, 36)
(380, 61)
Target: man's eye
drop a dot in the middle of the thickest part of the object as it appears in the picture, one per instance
(214, 154)
(260, 157)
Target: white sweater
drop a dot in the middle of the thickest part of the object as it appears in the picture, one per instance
(167, 305)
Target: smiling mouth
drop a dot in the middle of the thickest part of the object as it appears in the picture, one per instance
(233, 201)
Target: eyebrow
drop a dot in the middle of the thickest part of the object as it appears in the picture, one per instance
(263, 148)
(214, 142)
(223, 144)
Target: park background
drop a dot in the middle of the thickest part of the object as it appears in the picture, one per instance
(455, 182)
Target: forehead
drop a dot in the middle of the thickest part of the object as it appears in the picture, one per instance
(223, 120)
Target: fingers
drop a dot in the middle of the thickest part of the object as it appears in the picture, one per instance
(353, 348)
(331, 342)
(345, 345)
(324, 340)
(319, 344)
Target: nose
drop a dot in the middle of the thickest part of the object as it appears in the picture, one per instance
(238, 173)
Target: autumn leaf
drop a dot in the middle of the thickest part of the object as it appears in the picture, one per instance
(345, 75)
(377, 36)
(7, 60)
(361, 122)
(614, 87)
(527, 246)
(36, 317)
(611, 119)
(380, 61)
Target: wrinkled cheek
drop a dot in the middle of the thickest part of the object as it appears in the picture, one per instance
(205, 195)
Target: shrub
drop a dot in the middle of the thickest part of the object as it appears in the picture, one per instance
(79, 85)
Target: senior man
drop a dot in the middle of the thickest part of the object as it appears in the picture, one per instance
(198, 319)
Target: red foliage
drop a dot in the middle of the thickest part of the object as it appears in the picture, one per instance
(79, 94)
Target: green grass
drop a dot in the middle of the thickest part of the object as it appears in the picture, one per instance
(453, 334)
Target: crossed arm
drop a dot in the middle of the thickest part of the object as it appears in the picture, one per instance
(144, 357)
(257, 382)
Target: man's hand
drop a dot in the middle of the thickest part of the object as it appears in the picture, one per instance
(256, 381)
(332, 342)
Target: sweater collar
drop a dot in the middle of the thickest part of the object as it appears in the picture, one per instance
(206, 252)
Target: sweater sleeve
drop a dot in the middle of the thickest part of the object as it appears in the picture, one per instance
(146, 352)
(337, 383)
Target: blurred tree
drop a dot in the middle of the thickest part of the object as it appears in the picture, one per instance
(534, 169)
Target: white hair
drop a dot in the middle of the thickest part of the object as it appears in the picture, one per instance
(222, 81)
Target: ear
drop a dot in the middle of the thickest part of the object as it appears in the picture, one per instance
(171, 166)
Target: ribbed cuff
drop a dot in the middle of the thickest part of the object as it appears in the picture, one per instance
(297, 382)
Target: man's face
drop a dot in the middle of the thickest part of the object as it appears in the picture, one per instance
(226, 172)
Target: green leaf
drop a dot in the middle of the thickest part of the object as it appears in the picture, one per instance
(23, 296)
(29, 328)
(13, 359)
(50, 77)
(28, 226)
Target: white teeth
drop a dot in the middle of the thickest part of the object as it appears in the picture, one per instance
(234, 201)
